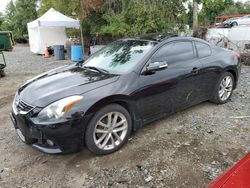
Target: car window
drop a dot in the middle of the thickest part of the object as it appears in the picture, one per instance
(203, 49)
(120, 57)
(174, 52)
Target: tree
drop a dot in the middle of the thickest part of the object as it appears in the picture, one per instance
(143, 16)
(1, 20)
(17, 16)
(89, 6)
(9, 15)
(211, 9)
(25, 11)
(67, 7)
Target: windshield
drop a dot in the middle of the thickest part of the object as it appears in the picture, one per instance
(120, 57)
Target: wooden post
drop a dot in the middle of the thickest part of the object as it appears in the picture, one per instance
(82, 39)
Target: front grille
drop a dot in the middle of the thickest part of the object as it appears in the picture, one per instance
(21, 106)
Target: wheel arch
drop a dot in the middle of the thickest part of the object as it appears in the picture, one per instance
(122, 100)
(233, 72)
(234, 22)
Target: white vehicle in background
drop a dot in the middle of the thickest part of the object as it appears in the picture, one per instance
(230, 22)
(245, 20)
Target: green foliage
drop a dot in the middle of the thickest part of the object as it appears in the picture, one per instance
(1, 20)
(237, 8)
(118, 18)
(143, 16)
(116, 25)
(17, 16)
(67, 7)
(9, 15)
(24, 13)
(92, 24)
(211, 9)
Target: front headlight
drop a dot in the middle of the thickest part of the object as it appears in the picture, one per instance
(56, 110)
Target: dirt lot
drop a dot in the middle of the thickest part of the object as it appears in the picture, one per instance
(188, 149)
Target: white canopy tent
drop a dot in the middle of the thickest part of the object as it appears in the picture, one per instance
(49, 30)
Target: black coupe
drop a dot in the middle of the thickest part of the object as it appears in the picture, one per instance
(120, 88)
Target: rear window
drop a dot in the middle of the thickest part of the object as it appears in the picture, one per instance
(204, 50)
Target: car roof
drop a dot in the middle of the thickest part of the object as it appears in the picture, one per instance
(188, 38)
(155, 37)
(164, 37)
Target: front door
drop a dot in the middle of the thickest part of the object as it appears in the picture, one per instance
(176, 87)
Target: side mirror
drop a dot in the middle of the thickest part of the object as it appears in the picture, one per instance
(157, 65)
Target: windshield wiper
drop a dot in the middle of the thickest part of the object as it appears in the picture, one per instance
(97, 69)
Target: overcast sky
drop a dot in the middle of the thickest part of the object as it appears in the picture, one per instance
(3, 4)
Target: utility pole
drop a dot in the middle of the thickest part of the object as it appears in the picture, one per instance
(195, 17)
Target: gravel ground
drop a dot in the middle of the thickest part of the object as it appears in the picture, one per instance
(188, 149)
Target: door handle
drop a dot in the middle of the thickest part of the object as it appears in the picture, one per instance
(195, 70)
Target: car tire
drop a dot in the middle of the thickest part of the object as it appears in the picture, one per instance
(234, 24)
(108, 130)
(223, 90)
(2, 73)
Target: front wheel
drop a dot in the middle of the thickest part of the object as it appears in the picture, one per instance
(108, 130)
(224, 88)
(234, 24)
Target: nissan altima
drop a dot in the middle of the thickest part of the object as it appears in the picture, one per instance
(125, 85)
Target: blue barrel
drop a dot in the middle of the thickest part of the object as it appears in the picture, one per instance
(59, 52)
(76, 53)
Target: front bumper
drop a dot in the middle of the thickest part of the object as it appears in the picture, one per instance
(65, 137)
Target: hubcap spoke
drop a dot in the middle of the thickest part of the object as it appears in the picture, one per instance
(221, 92)
(120, 129)
(119, 123)
(115, 119)
(109, 119)
(106, 140)
(228, 80)
(225, 95)
(101, 131)
(117, 137)
(101, 139)
(103, 124)
(112, 141)
(224, 82)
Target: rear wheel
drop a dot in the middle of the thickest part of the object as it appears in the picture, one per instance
(108, 130)
(224, 88)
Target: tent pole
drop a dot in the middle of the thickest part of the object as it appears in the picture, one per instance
(82, 39)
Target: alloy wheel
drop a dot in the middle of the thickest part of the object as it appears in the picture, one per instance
(226, 88)
(110, 131)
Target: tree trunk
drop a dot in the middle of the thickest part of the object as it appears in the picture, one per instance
(195, 17)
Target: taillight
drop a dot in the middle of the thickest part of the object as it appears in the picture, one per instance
(238, 56)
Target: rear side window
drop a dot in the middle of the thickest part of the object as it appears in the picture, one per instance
(204, 50)
(175, 52)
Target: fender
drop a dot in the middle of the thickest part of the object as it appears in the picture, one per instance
(123, 100)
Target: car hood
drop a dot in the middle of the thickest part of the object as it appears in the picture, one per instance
(62, 82)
